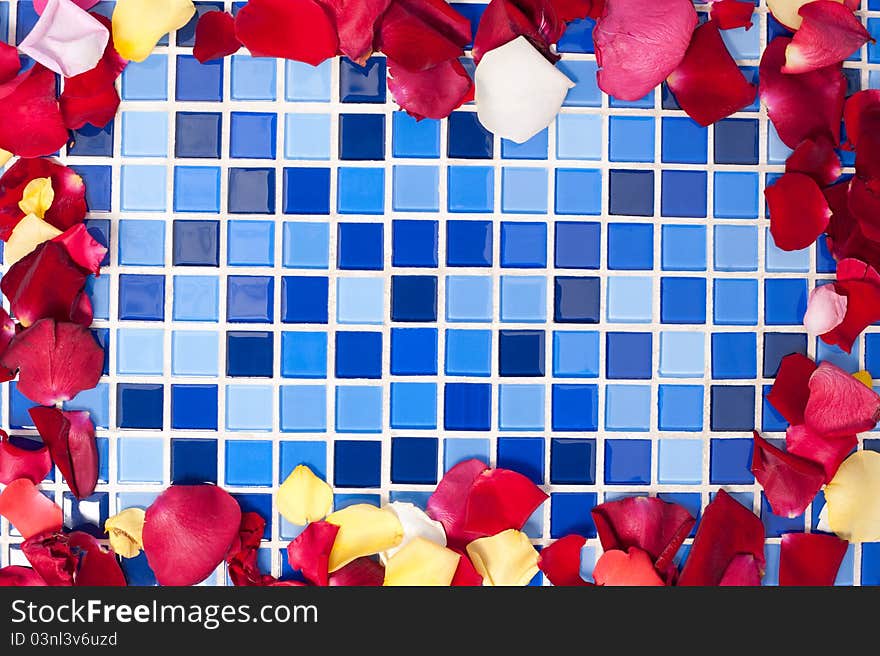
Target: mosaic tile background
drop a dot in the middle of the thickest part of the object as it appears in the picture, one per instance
(299, 273)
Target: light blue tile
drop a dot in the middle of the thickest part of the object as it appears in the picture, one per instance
(250, 243)
(98, 289)
(468, 298)
(680, 462)
(303, 408)
(143, 188)
(743, 43)
(145, 134)
(140, 459)
(630, 299)
(682, 354)
(141, 242)
(524, 299)
(307, 136)
(194, 352)
(196, 298)
(458, 449)
(253, 78)
(306, 245)
(521, 407)
(777, 260)
(358, 409)
(579, 136)
(140, 351)
(360, 300)
(146, 80)
(96, 401)
(249, 408)
(414, 405)
(627, 408)
(306, 83)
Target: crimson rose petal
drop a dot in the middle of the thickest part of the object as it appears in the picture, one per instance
(28, 509)
(802, 106)
(30, 117)
(361, 572)
(18, 576)
(417, 40)
(242, 559)
(828, 452)
(571, 10)
(356, 23)
(731, 14)
(708, 84)
(10, 64)
(17, 462)
(448, 503)
(844, 236)
(432, 93)
(639, 43)
(791, 389)
(98, 566)
(861, 116)
(301, 30)
(466, 574)
(310, 551)
(505, 20)
(863, 203)
(726, 530)
(188, 531)
(840, 405)
(817, 159)
(830, 33)
(50, 554)
(862, 310)
(743, 571)
(561, 561)
(810, 558)
(500, 499)
(798, 210)
(215, 36)
(56, 361)
(70, 437)
(68, 207)
(84, 249)
(789, 481)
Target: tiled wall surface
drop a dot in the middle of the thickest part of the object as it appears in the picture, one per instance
(299, 273)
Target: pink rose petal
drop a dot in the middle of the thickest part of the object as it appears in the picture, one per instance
(840, 405)
(825, 310)
(66, 39)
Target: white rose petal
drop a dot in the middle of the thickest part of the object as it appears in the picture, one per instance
(416, 524)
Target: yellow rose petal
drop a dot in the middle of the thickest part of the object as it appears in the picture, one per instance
(853, 498)
(30, 232)
(139, 24)
(126, 532)
(364, 530)
(5, 156)
(507, 558)
(864, 377)
(421, 562)
(37, 197)
(304, 497)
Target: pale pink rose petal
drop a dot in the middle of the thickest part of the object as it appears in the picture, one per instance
(66, 39)
(825, 310)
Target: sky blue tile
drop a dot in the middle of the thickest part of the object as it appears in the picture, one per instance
(249, 408)
(586, 91)
(140, 351)
(360, 300)
(145, 134)
(682, 354)
(627, 408)
(196, 189)
(196, 298)
(630, 299)
(96, 401)
(524, 190)
(250, 243)
(736, 248)
(303, 408)
(140, 460)
(458, 449)
(358, 409)
(146, 80)
(141, 242)
(306, 245)
(680, 462)
(194, 352)
(416, 188)
(524, 299)
(143, 188)
(253, 78)
(777, 260)
(468, 298)
(306, 83)
(743, 43)
(579, 136)
(521, 407)
(307, 136)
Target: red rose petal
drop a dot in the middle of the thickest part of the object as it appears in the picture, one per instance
(361, 572)
(28, 509)
(419, 40)
(83, 248)
(433, 93)
(505, 20)
(840, 405)
(91, 97)
(828, 452)
(572, 10)
(639, 43)
(45, 284)
(861, 116)
(798, 210)
(215, 36)
(863, 203)
(862, 310)
(310, 551)
(830, 33)
(726, 530)
(743, 571)
(731, 14)
(30, 117)
(18, 576)
(789, 481)
(70, 437)
(500, 499)
(844, 236)
(630, 568)
(10, 64)
(708, 84)
(448, 503)
(242, 559)
(301, 30)
(16, 462)
(356, 23)
(561, 561)
(817, 159)
(791, 389)
(98, 566)
(76, 558)
(56, 361)
(188, 531)
(802, 106)
(649, 523)
(810, 558)
(466, 574)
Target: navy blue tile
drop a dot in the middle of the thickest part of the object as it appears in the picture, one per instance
(92, 141)
(249, 299)
(730, 461)
(414, 460)
(197, 81)
(194, 407)
(575, 407)
(196, 243)
(197, 134)
(249, 354)
(631, 193)
(736, 141)
(193, 461)
(414, 243)
(733, 408)
(102, 336)
(357, 463)
(362, 136)
(251, 191)
(628, 355)
(360, 246)
(468, 139)
(414, 298)
(578, 245)
(572, 461)
(570, 513)
(362, 84)
(358, 354)
(98, 181)
(306, 191)
(99, 229)
(774, 525)
(683, 300)
(467, 406)
(684, 193)
(141, 297)
(256, 503)
(473, 12)
(469, 243)
(304, 299)
(137, 571)
(139, 406)
(521, 353)
(414, 351)
(524, 455)
(576, 300)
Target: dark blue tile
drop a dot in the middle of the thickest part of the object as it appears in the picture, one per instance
(99, 229)
(870, 563)
(576, 300)
(736, 141)
(86, 515)
(733, 408)
(362, 136)
(251, 191)
(469, 243)
(524, 455)
(197, 134)
(102, 336)
(628, 462)
(141, 297)
(414, 243)
(253, 135)
(473, 12)
(467, 406)
(523, 245)
(98, 181)
(304, 299)
(777, 346)
(360, 246)
(186, 35)
(684, 193)
(631, 193)
(358, 354)
(193, 461)
(572, 461)
(578, 37)
(468, 139)
(139, 406)
(357, 463)
(785, 301)
(414, 460)
(734, 355)
(197, 81)
(631, 246)
(570, 513)
(521, 353)
(414, 351)
(249, 299)
(26, 19)
(249, 354)
(196, 243)
(578, 245)
(194, 407)
(575, 407)
(256, 503)
(774, 525)
(306, 191)
(92, 141)
(137, 571)
(683, 300)
(628, 355)
(414, 298)
(362, 84)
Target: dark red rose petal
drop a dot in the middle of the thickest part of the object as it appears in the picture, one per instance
(798, 210)
(863, 203)
(791, 389)
(572, 10)
(862, 117)
(743, 571)
(188, 531)
(731, 14)
(83, 248)
(810, 558)
(91, 97)
(466, 574)
(839, 404)
(802, 106)
(414, 43)
(45, 284)
(215, 36)
(357, 22)
(708, 84)
(639, 43)
(433, 93)
(789, 481)
(310, 551)
(16, 462)
(817, 159)
(98, 566)
(830, 33)
(649, 523)
(862, 310)
(56, 361)
(7, 330)
(726, 530)
(301, 30)
(500, 499)
(361, 572)
(242, 559)
(561, 561)
(505, 20)
(828, 452)
(70, 437)
(76, 558)
(630, 568)
(28, 509)
(10, 64)
(18, 576)
(448, 503)
(30, 117)
(844, 236)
